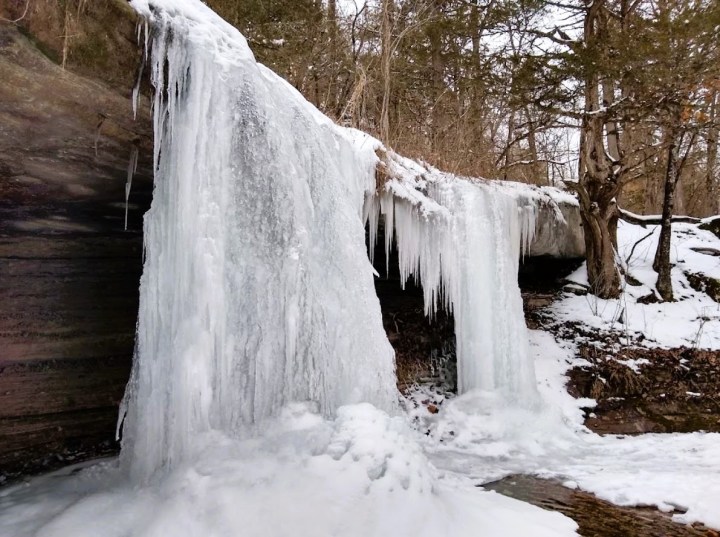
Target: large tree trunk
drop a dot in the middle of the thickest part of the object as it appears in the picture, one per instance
(599, 229)
(661, 264)
(599, 184)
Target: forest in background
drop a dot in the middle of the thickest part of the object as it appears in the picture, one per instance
(617, 100)
(499, 89)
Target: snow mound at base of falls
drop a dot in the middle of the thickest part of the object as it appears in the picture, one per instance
(361, 475)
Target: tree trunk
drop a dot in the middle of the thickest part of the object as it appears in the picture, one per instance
(508, 141)
(437, 73)
(650, 171)
(661, 264)
(713, 192)
(539, 176)
(603, 275)
(598, 183)
(385, 59)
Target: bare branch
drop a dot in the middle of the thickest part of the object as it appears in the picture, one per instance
(27, 6)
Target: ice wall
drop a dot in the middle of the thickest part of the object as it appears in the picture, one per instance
(463, 239)
(256, 288)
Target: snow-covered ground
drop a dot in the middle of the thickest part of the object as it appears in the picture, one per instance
(363, 474)
(693, 320)
(473, 437)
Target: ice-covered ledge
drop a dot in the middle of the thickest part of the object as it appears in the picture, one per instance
(552, 213)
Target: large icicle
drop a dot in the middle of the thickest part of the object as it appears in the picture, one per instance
(256, 288)
(492, 339)
(463, 239)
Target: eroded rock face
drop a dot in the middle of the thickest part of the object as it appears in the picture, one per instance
(69, 271)
(559, 238)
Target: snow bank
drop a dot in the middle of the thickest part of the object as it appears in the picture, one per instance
(693, 320)
(360, 475)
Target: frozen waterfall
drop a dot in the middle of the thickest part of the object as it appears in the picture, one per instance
(461, 239)
(257, 290)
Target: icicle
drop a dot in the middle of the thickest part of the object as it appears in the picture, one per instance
(467, 259)
(371, 217)
(387, 209)
(527, 215)
(131, 169)
(142, 25)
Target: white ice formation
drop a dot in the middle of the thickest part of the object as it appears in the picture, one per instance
(462, 240)
(257, 290)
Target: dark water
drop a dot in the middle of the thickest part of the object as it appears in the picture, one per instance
(595, 517)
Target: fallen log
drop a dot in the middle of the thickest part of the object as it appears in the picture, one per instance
(655, 219)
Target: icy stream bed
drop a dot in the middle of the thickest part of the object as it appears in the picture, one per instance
(473, 437)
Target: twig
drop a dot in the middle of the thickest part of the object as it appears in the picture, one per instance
(27, 6)
(632, 250)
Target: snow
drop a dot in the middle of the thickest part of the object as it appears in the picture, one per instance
(669, 471)
(693, 320)
(362, 474)
(634, 364)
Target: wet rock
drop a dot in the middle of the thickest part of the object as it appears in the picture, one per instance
(595, 517)
(704, 284)
(69, 271)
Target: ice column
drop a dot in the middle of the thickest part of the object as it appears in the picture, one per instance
(256, 288)
(465, 251)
